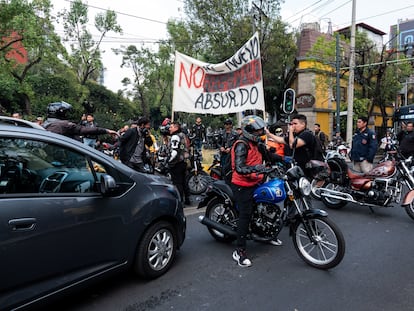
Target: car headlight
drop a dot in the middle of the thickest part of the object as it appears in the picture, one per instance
(304, 186)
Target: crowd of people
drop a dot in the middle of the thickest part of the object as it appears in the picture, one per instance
(243, 151)
(138, 146)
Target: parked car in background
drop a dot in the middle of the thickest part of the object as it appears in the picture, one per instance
(70, 215)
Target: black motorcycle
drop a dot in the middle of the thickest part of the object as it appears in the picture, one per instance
(196, 177)
(215, 167)
(283, 200)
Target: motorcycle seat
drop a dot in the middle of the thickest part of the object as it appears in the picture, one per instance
(354, 174)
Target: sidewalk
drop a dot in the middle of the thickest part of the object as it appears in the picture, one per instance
(193, 210)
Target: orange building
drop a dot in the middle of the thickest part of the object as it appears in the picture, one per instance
(16, 51)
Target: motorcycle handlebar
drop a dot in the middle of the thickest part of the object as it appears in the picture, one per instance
(279, 168)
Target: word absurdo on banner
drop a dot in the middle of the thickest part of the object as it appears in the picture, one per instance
(229, 99)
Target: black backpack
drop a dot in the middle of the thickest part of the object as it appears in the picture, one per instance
(317, 152)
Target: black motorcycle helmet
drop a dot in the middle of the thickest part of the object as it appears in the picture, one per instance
(253, 128)
(59, 110)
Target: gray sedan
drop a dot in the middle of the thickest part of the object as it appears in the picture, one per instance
(70, 214)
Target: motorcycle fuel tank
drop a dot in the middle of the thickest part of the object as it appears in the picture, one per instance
(272, 192)
(383, 169)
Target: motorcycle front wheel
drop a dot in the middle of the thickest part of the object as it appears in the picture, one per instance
(409, 209)
(197, 182)
(217, 211)
(319, 242)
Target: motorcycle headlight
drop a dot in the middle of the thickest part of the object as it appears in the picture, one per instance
(304, 186)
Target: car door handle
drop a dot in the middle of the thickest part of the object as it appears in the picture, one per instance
(22, 224)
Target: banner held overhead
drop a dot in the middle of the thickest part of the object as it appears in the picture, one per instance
(232, 86)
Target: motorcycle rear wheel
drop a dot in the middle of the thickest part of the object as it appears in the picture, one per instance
(328, 247)
(197, 183)
(332, 203)
(216, 211)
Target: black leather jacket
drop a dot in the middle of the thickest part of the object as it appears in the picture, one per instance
(70, 129)
(240, 156)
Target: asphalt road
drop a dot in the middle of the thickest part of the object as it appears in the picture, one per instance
(374, 275)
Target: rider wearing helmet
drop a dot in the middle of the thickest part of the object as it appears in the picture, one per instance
(165, 127)
(247, 156)
(167, 121)
(57, 122)
(300, 140)
(273, 145)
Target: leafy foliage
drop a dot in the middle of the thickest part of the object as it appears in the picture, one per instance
(85, 58)
(27, 38)
(379, 80)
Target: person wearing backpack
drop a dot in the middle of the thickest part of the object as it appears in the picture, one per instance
(302, 140)
(320, 136)
(178, 154)
(228, 137)
(132, 145)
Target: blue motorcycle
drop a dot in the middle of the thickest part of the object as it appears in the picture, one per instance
(283, 200)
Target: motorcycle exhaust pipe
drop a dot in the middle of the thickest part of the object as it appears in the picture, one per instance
(215, 225)
(336, 195)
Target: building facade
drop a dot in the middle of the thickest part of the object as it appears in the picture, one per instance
(315, 81)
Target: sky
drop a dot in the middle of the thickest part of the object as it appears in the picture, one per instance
(145, 21)
(380, 14)
(141, 22)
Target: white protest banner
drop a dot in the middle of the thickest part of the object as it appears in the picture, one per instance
(232, 86)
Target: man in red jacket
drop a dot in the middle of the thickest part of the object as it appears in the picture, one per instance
(247, 157)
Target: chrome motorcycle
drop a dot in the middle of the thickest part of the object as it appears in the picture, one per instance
(320, 171)
(283, 200)
(196, 178)
(381, 187)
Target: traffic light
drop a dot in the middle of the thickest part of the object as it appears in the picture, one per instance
(289, 101)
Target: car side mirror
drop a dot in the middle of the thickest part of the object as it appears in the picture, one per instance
(108, 185)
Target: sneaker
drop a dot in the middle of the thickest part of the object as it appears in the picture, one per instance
(275, 242)
(240, 256)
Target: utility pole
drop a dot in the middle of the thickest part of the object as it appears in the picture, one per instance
(338, 85)
(350, 114)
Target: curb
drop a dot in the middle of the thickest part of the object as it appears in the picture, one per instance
(193, 210)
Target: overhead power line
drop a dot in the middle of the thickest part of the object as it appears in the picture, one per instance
(122, 13)
(389, 62)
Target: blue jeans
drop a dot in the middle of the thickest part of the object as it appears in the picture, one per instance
(91, 142)
(198, 144)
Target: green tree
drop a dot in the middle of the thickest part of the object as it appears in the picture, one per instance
(377, 72)
(85, 56)
(380, 74)
(151, 86)
(110, 110)
(27, 38)
(140, 61)
(52, 87)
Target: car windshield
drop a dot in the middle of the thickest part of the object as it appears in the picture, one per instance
(35, 166)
